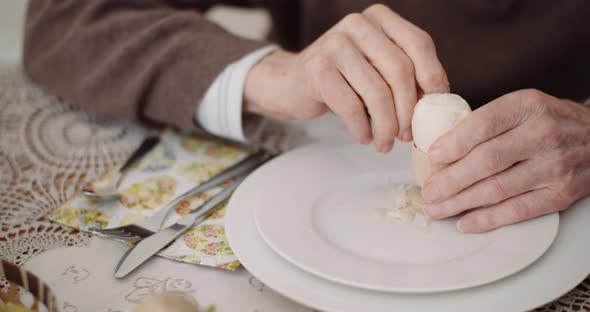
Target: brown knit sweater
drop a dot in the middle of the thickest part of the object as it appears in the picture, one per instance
(153, 59)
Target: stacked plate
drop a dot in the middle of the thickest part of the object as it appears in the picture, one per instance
(311, 225)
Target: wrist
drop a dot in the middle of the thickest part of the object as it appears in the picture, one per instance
(220, 111)
(262, 81)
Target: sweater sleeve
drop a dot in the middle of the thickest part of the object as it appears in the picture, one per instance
(145, 60)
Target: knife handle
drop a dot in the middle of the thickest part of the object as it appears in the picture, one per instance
(244, 166)
(210, 205)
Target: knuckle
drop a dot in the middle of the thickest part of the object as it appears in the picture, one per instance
(352, 111)
(564, 175)
(491, 160)
(337, 41)
(319, 66)
(389, 130)
(404, 67)
(490, 220)
(434, 78)
(378, 7)
(560, 168)
(569, 189)
(552, 133)
(353, 20)
(499, 190)
(521, 210)
(486, 129)
(457, 205)
(449, 186)
(532, 98)
(382, 95)
(454, 149)
(532, 102)
(423, 41)
(322, 63)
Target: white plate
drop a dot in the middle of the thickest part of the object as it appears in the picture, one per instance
(562, 267)
(322, 211)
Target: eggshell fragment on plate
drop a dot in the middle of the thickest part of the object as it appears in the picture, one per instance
(407, 203)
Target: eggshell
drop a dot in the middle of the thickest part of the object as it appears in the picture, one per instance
(434, 115)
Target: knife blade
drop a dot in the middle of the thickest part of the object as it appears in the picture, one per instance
(151, 245)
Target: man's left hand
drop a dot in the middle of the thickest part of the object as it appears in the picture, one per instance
(521, 156)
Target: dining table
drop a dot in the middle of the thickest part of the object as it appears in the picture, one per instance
(49, 151)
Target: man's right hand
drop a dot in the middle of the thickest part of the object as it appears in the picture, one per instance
(369, 69)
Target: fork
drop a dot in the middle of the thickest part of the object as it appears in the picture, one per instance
(110, 190)
(153, 224)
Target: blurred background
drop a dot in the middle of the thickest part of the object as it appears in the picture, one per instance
(250, 23)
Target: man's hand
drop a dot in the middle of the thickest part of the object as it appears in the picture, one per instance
(369, 69)
(523, 155)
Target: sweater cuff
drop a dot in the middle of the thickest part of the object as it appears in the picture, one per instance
(220, 111)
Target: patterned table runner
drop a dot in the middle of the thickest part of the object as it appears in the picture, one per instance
(178, 163)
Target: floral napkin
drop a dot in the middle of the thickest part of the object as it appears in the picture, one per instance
(178, 163)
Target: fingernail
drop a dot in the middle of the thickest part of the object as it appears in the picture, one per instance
(437, 155)
(389, 147)
(434, 211)
(385, 148)
(365, 140)
(407, 135)
(466, 225)
(430, 193)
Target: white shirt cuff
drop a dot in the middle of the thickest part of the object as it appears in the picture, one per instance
(220, 110)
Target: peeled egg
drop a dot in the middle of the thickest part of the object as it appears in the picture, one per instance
(434, 115)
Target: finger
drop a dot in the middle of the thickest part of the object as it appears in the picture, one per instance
(341, 99)
(390, 61)
(516, 209)
(417, 44)
(485, 160)
(369, 85)
(491, 120)
(518, 179)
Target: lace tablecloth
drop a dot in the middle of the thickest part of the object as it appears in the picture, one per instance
(48, 151)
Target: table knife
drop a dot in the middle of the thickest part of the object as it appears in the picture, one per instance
(151, 245)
